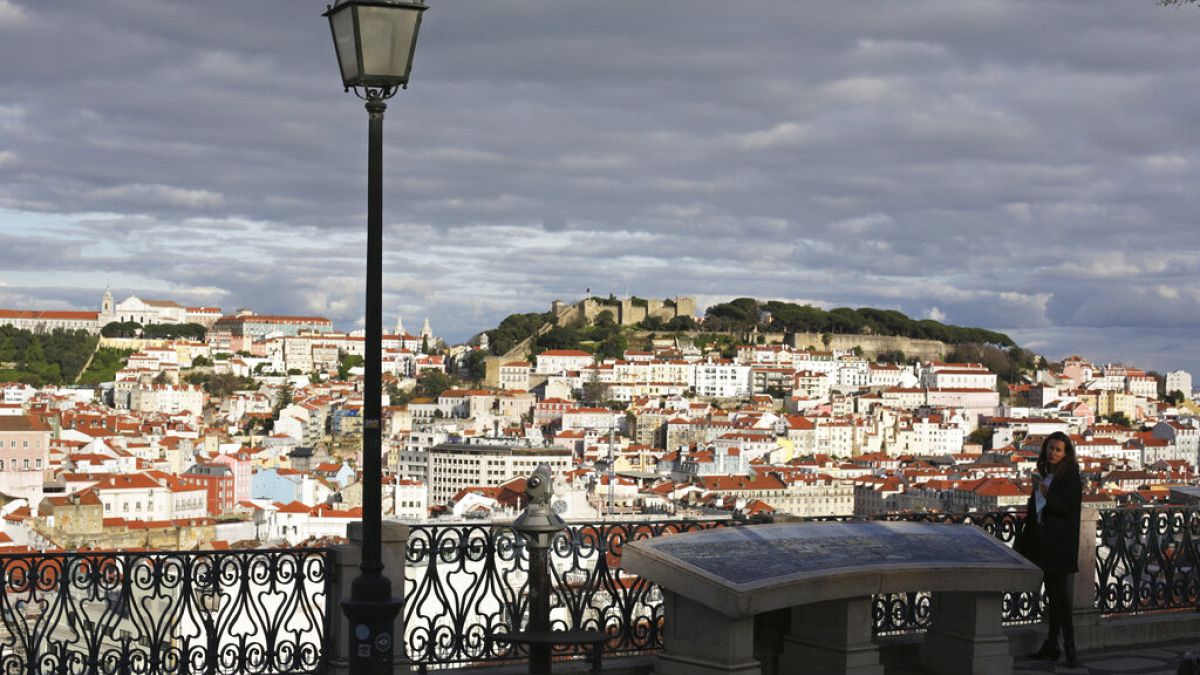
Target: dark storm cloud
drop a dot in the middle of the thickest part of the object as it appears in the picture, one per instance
(1025, 165)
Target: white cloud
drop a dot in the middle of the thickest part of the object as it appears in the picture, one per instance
(12, 119)
(861, 224)
(1169, 163)
(935, 314)
(10, 13)
(897, 49)
(861, 90)
(159, 194)
(786, 134)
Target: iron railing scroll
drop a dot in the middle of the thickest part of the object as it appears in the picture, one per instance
(903, 612)
(1148, 559)
(212, 612)
(465, 583)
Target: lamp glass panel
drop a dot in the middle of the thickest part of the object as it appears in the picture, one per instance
(343, 40)
(387, 40)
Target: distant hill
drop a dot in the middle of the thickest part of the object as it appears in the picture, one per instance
(738, 317)
(746, 314)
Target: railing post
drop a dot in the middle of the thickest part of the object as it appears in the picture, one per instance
(346, 559)
(344, 566)
(395, 540)
(1086, 614)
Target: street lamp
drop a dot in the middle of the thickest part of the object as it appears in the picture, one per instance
(374, 40)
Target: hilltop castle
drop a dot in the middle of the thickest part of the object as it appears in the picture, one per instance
(626, 312)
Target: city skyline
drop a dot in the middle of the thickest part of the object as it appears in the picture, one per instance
(1020, 166)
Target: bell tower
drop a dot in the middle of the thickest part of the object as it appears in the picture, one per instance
(108, 309)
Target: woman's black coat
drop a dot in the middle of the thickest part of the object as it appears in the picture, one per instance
(1058, 533)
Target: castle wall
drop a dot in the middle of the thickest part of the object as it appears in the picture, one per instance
(926, 350)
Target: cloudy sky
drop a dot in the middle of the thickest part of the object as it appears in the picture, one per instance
(1023, 165)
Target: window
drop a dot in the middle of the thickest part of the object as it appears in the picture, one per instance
(25, 464)
(38, 463)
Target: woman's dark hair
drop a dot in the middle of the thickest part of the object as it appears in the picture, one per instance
(1043, 464)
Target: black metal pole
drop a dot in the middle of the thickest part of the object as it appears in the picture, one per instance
(539, 605)
(371, 608)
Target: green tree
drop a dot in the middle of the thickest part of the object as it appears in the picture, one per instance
(286, 394)
(34, 357)
(431, 383)
(594, 392)
(475, 365)
(613, 347)
(982, 436)
(653, 323)
(220, 385)
(681, 323)
(346, 362)
(121, 329)
(8, 350)
(1118, 418)
(513, 329)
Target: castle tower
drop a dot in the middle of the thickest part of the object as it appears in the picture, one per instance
(399, 325)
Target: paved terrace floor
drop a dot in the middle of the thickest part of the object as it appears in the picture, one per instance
(1162, 659)
(1151, 660)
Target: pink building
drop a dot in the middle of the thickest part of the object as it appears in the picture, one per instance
(24, 448)
(240, 467)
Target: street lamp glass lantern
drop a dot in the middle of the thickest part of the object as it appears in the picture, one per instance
(375, 40)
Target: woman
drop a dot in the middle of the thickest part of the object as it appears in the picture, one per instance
(1054, 505)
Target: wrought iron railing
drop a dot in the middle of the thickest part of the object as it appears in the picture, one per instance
(904, 612)
(1148, 559)
(253, 611)
(465, 583)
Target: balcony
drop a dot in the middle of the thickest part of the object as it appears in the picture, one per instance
(275, 611)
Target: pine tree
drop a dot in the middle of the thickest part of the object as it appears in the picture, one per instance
(8, 351)
(34, 359)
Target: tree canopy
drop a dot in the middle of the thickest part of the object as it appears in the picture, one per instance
(773, 315)
(513, 329)
(56, 357)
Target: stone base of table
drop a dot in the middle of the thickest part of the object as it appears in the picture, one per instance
(831, 637)
(701, 641)
(967, 635)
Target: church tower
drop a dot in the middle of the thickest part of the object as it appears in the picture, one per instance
(426, 332)
(108, 310)
(399, 325)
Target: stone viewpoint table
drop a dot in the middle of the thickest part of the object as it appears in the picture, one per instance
(714, 582)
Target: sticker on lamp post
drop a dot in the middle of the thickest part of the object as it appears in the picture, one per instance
(363, 633)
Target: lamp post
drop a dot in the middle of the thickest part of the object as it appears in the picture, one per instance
(374, 40)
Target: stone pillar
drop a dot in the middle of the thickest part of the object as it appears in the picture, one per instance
(1085, 614)
(701, 641)
(967, 635)
(831, 637)
(346, 558)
